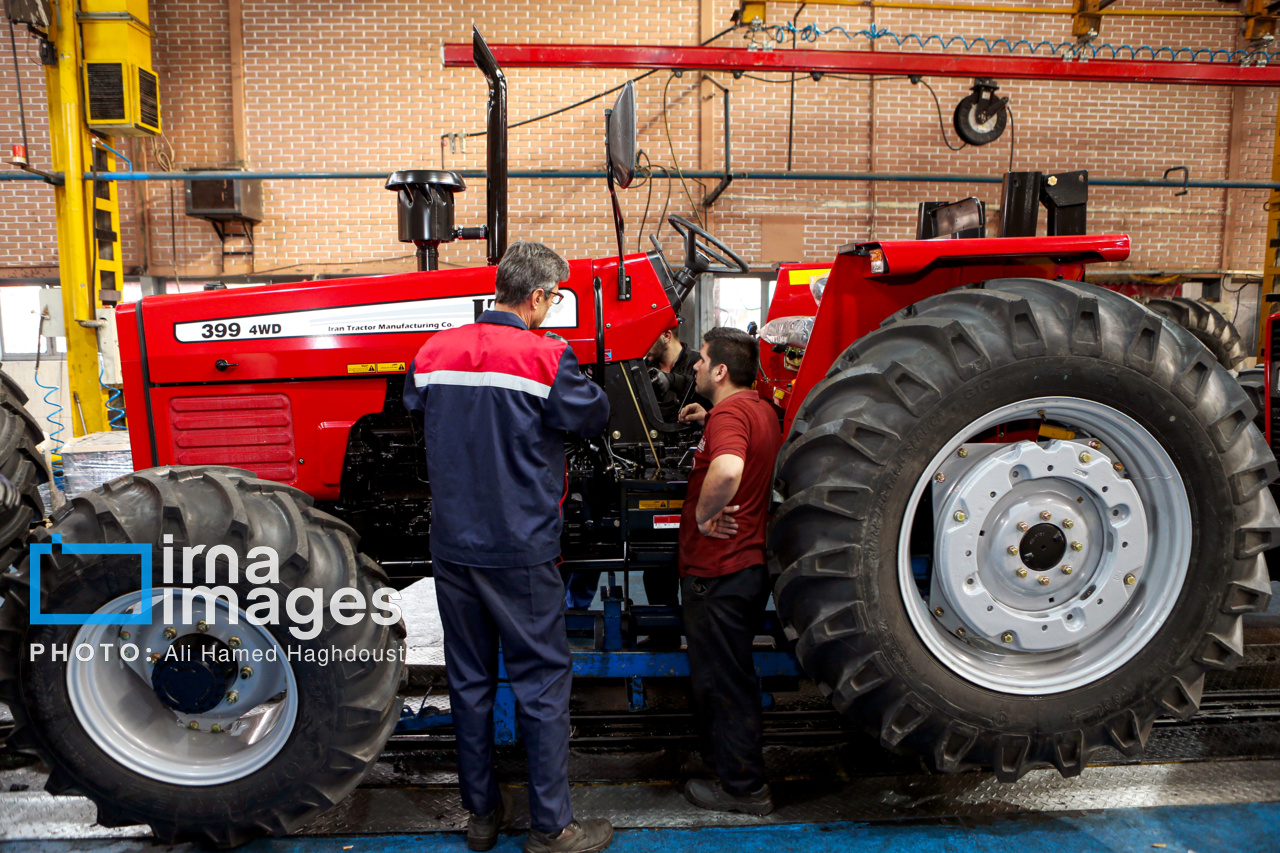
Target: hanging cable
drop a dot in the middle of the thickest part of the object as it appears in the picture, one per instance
(1012, 138)
(666, 123)
(942, 127)
(165, 160)
(597, 96)
(791, 107)
(17, 79)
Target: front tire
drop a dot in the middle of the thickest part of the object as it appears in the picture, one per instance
(928, 445)
(168, 742)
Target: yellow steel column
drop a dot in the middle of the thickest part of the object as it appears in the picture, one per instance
(76, 210)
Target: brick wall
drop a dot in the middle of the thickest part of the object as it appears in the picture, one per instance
(332, 85)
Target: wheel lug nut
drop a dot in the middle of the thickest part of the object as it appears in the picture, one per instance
(1068, 523)
(232, 698)
(154, 657)
(937, 611)
(959, 632)
(1007, 637)
(1130, 580)
(1021, 572)
(960, 516)
(1118, 466)
(1022, 525)
(962, 453)
(234, 642)
(202, 626)
(1013, 550)
(170, 633)
(246, 672)
(1085, 457)
(1076, 546)
(124, 635)
(1066, 570)
(1042, 580)
(215, 728)
(193, 725)
(940, 477)
(1096, 445)
(1045, 515)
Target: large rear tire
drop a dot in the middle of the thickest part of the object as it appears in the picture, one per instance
(159, 741)
(903, 476)
(1209, 326)
(1254, 383)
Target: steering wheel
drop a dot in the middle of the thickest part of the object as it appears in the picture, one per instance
(700, 254)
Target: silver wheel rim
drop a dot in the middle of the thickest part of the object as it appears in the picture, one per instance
(111, 694)
(1052, 630)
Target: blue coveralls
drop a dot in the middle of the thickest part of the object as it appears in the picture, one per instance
(496, 402)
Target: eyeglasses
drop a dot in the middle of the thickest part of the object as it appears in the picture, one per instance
(554, 295)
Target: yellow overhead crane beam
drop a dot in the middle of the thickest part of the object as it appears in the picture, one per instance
(103, 48)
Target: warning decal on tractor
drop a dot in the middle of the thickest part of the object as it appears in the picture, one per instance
(671, 504)
(381, 367)
(666, 522)
(417, 316)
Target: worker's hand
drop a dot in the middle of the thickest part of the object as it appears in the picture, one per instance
(722, 525)
(661, 381)
(693, 414)
(10, 497)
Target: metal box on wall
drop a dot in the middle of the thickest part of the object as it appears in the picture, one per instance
(122, 93)
(225, 199)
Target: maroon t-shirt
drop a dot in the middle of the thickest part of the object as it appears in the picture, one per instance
(745, 426)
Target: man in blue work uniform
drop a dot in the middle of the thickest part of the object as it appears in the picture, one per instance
(497, 401)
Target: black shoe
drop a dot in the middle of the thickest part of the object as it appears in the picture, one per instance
(709, 794)
(482, 829)
(588, 836)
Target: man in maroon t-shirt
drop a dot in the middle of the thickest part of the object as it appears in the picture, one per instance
(724, 582)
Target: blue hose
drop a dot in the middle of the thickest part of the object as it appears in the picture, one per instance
(53, 435)
(115, 413)
(785, 32)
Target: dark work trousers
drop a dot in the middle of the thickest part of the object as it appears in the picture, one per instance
(524, 606)
(721, 619)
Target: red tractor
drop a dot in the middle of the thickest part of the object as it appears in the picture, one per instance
(1018, 517)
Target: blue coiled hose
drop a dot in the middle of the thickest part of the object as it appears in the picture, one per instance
(58, 480)
(115, 413)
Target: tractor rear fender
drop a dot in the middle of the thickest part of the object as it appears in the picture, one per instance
(857, 300)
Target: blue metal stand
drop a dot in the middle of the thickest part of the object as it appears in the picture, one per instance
(612, 653)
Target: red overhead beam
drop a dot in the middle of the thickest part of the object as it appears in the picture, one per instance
(729, 59)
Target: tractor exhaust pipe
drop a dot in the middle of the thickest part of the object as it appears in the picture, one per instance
(495, 148)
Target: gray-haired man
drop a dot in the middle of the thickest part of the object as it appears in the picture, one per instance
(496, 404)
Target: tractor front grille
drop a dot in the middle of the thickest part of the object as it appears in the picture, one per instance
(106, 91)
(253, 431)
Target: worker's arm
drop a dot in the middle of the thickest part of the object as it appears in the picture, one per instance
(414, 396)
(693, 414)
(713, 513)
(575, 404)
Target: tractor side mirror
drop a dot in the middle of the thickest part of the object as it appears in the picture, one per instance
(622, 137)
